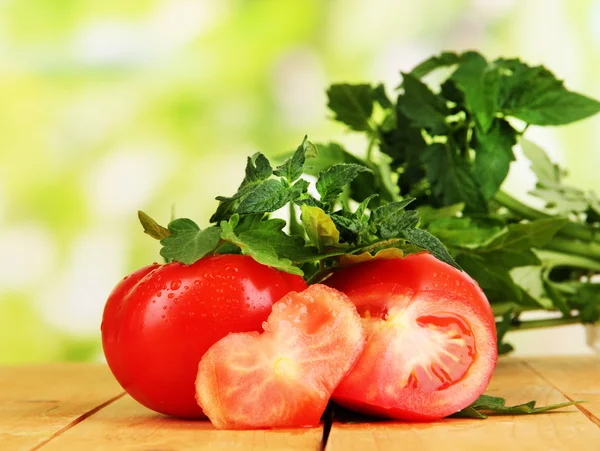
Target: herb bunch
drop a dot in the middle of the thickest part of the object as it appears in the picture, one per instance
(446, 139)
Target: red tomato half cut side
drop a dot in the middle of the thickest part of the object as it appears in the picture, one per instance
(283, 377)
(430, 350)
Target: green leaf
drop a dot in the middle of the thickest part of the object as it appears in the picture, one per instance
(451, 179)
(151, 227)
(187, 243)
(445, 59)
(493, 157)
(534, 95)
(398, 222)
(429, 214)
(351, 104)
(422, 107)
(502, 327)
(293, 167)
(466, 232)
(258, 169)
(264, 242)
(269, 196)
(332, 181)
(524, 236)
(492, 276)
(320, 228)
(480, 84)
(486, 404)
(380, 96)
(427, 241)
(545, 170)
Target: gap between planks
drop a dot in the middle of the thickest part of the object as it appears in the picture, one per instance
(589, 415)
(76, 421)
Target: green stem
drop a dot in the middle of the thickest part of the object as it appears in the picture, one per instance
(540, 323)
(295, 227)
(571, 230)
(577, 247)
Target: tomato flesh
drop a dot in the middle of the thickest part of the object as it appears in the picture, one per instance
(283, 377)
(160, 320)
(431, 341)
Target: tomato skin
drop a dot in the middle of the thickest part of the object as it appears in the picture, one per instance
(430, 287)
(159, 322)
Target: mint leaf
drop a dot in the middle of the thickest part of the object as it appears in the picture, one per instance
(151, 227)
(187, 243)
(422, 107)
(427, 241)
(331, 182)
(351, 104)
(292, 168)
(486, 404)
(398, 222)
(263, 243)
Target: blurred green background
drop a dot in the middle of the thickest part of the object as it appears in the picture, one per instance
(110, 106)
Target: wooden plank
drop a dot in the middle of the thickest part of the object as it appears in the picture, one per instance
(125, 425)
(38, 402)
(578, 379)
(513, 380)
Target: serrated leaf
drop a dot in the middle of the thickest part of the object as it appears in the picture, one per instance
(266, 197)
(351, 104)
(451, 179)
(261, 244)
(422, 107)
(494, 153)
(331, 182)
(427, 241)
(320, 228)
(293, 167)
(187, 243)
(534, 95)
(151, 227)
(397, 223)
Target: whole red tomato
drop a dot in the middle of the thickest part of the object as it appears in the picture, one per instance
(431, 338)
(159, 321)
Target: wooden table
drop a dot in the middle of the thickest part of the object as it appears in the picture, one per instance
(80, 407)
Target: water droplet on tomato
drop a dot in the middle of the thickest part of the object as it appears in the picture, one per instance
(197, 282)
(163, 316)
(164, 307)
(185, 287)
(126, 277)
(176, 301)
(159, 294)
(154, 301)
(435, 274)
(171, 296)
(164, 287)
(435, 285)
(175, 284)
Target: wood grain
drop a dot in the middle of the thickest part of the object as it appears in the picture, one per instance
(125, 425)
(579, 379)
(514, 380)
(38, 402)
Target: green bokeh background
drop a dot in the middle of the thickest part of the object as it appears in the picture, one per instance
(110, 106)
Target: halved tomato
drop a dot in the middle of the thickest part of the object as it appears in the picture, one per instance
(431, 338)
(283, 377)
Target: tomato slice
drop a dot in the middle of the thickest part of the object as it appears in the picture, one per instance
(430, 351)
(283, 377)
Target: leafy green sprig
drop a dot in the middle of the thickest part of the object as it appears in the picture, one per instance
(447, 140)
(311, 245)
